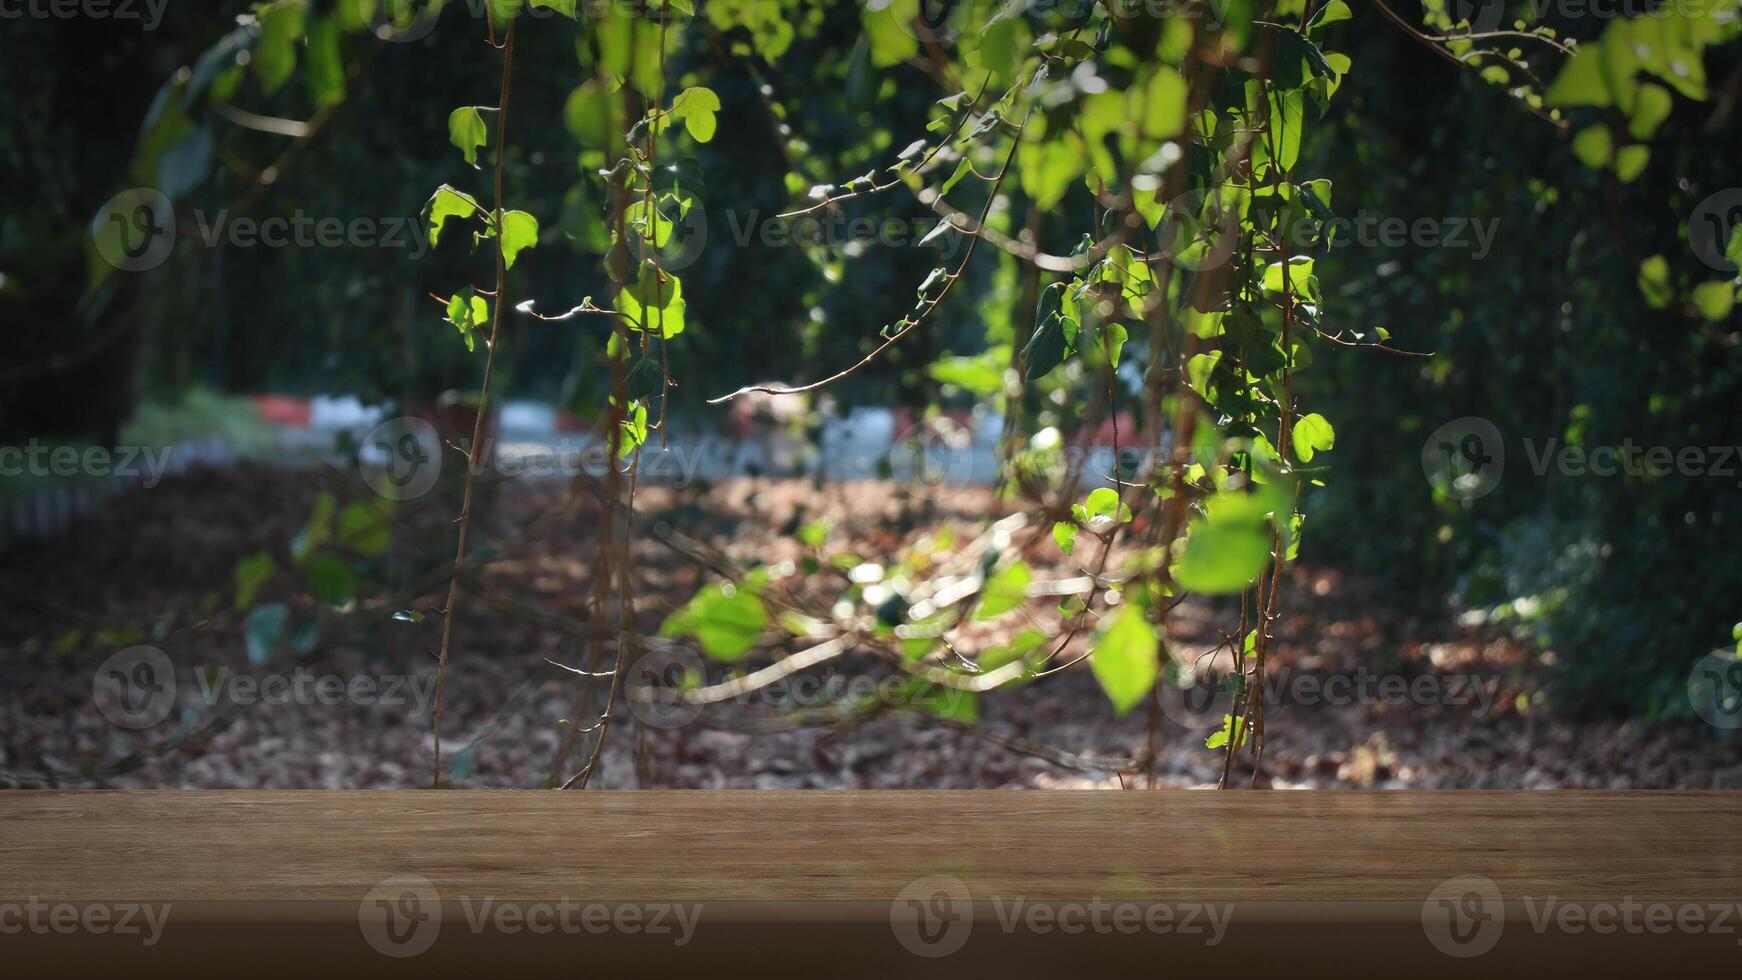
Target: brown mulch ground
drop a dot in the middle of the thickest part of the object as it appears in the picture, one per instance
(157, 568)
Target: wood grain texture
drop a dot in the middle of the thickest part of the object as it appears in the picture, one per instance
(749, 846)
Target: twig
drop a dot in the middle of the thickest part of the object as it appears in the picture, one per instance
(931, 305)
(483, 408)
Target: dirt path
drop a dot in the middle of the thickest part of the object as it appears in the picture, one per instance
(157, 568)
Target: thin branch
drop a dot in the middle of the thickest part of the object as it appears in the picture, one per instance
(465, 521)
(931, 305)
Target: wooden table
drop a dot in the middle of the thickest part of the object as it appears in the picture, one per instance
(824, 884)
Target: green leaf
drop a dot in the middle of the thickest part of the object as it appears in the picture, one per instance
(814, 534)
(1650, 109)
(1228, 547)
(697, 107)
(1593, 146)
(519, 233)
(645, 380)
(962, 169)
(889, 29)
(1300, 268)
(1232, 727)
(467, 131)
(1630, 162)
(263, 630)
(326, 67)
(933, 280)
(1046, 349)
(1580, 81)
(725, 620)
(447, 203)
(1654, 282)
(1312, 434)
(654, 305)
(1064, 534)
(331, 580)
(1103, 345)
(251, 573)
(1004, 591)
(468, 313)
(936, 699)
(355, 15)
(1164, 104)
(274, 55)
(1714, 299)
(593, 115)
(318, 529)
(937, 231)
(1298, 60)
(366, 528)
(1103, 508)
(634, 430)
(1329, 14)
(979, 374)
(1199, 369)
(1126, 659)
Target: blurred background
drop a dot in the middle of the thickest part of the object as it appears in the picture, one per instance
(242, 379)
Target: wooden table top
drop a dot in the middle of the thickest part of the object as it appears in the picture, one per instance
(752, 846)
